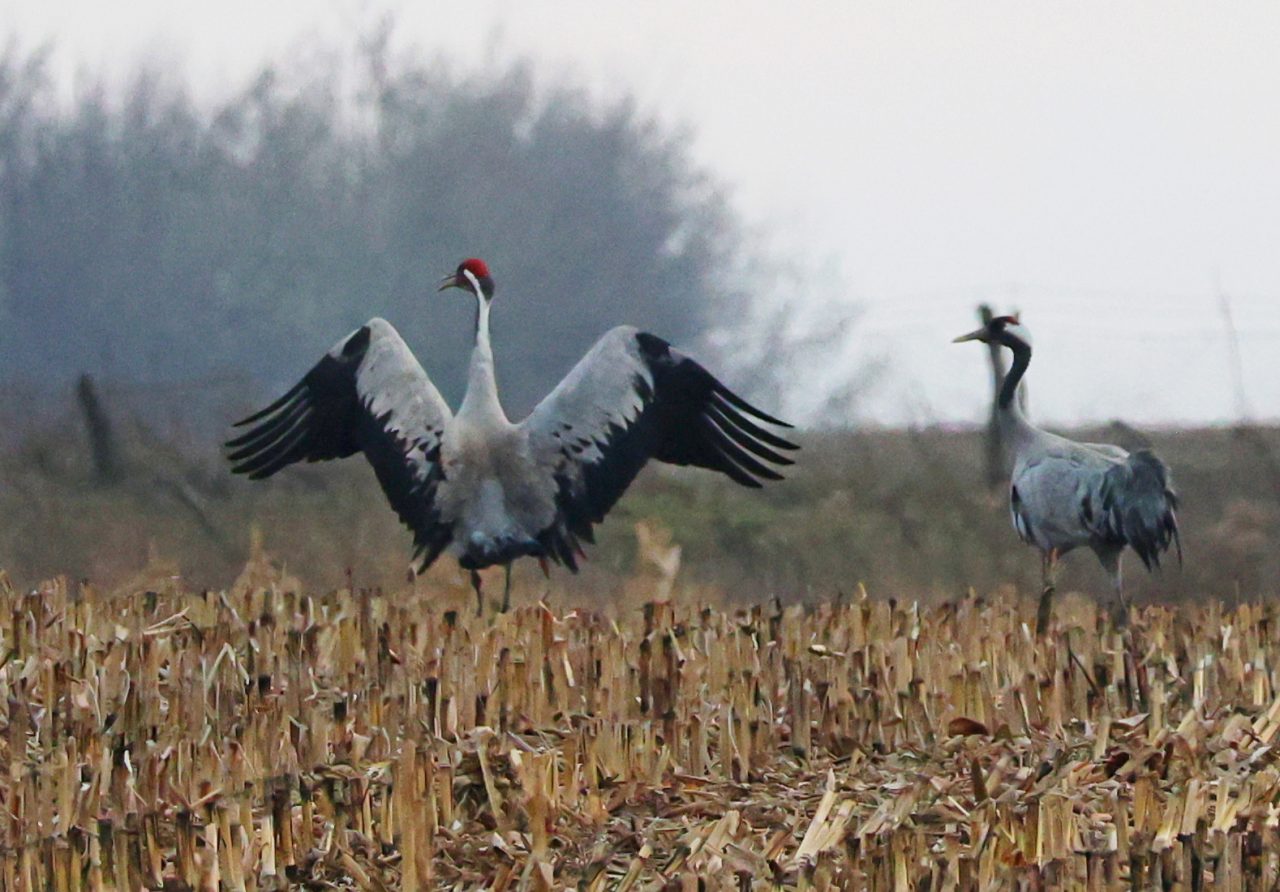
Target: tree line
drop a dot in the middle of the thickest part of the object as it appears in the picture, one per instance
(147, 237)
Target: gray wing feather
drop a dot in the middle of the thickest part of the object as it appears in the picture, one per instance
(630, 399)
(1109, 450)
(368, 394)
(1021, 520)
(1051, 491)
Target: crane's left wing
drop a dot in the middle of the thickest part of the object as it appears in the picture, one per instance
(368, 394)
(631, 398)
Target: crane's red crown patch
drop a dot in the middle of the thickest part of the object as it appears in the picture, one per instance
(475, 266)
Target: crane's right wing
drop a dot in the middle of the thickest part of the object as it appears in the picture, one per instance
(368, 394)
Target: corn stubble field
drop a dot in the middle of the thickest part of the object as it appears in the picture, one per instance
(264, 738)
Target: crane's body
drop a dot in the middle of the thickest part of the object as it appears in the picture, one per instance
(488, 490)
(1065, 495)
(496, 510)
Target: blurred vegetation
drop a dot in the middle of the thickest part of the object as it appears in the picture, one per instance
(147, 238)
(904, 512)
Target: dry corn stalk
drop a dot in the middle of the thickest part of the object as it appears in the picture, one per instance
(264, 737)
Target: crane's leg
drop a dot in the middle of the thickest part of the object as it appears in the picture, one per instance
(475, 584)
(1119, 607)
(506, 589)
(1110, 556)
(1048, 575)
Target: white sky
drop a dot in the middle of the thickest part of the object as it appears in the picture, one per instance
(1099, 165)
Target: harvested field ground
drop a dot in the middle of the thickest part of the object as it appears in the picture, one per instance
(263, 738)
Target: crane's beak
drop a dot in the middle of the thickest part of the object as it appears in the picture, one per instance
(449, 281)
(979, 335)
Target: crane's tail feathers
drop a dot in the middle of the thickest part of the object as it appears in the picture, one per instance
(1140, 507)
(561, 545)
(425, 553)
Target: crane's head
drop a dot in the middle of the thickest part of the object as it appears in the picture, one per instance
(471, 275)
(1006, 330)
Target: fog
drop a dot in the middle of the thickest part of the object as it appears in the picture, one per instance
(1107, 170)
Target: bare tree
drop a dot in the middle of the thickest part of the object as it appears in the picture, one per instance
(102, 440)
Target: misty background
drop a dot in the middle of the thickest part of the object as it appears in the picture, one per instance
(874, 170)
(196, 201)
(150, 241)
(1109, 170)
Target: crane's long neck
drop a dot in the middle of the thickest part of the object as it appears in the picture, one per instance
(481, 400)
(1013, 423)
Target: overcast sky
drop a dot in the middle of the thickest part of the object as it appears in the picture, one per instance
(1113, 170)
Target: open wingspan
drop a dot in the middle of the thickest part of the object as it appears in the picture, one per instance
(368, 394)
(632, 398)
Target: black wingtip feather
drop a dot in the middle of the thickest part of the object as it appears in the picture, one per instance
(269, 439)
(271, 459)
(264, 436)
(261, 413)
(733, 453)
(745, 406)
(736, 426)
(269, 423)
(772, 439)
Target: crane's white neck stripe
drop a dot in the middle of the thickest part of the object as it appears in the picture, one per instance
(1020, 332)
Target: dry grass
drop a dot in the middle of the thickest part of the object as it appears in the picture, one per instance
(260, 738)
(904, 512)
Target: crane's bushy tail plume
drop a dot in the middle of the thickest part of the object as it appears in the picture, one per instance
(1139, 507)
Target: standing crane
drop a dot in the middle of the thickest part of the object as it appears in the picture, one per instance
(489, 490)
(1065, 494)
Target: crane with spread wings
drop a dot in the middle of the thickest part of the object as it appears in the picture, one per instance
(488, 490)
